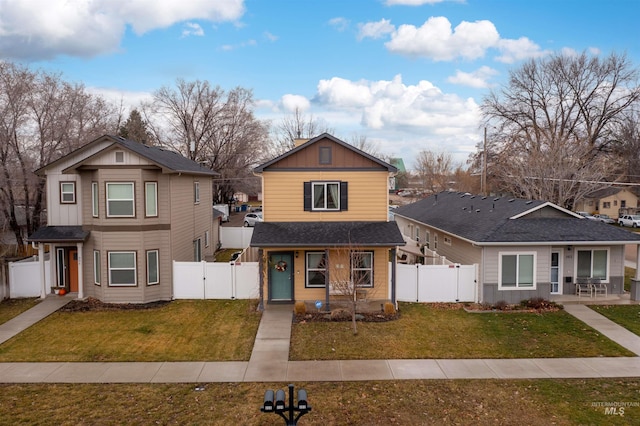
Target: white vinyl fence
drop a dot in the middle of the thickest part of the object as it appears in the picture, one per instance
(436, 283)
(24, 278)
(215, 280)
(235, 236)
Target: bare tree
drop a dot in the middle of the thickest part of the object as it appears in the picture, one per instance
(554, 120)
(297, 125)
(42, 117)
(625, 161)
(210, 126)
(434, 170)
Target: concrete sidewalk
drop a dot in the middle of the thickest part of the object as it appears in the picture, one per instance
(269, 362)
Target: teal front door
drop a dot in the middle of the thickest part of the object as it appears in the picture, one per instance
(281, 277)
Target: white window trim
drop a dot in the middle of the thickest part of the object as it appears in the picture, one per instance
(206, 238)
(72, 192)
(592, 249)
(307, 270)
(446, 240)
(157, 254)
(325, 208)
(95, 199)
(135, 269)
(517, 253)
(196, 192)
(370, 253)
(133, 200)
(96, 267)
(155, 199)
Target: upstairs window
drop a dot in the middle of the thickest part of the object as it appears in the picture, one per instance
(325, 155)
(67, 192)
(120, 199)
(196, 192)
(151, 199)
(94, 199)
(325, 196)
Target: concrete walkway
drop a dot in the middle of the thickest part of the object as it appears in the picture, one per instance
(26, 319)
(269, 362)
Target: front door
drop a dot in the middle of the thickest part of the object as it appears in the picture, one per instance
(555, 279)
(73, 270)
(281, 277)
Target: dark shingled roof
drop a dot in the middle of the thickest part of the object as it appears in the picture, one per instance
(326, 234)
(488, 220)
(59, 234)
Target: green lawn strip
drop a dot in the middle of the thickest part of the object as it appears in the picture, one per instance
(425, 331)
(627, 316)
(477, 402)
(184, 330)
(11, 308)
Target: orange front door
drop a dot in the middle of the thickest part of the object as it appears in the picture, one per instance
(72, 261)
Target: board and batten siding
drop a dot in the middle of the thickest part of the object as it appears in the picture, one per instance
(283, 200)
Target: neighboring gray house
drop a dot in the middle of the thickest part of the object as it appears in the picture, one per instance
(118, 213)
(524, 248)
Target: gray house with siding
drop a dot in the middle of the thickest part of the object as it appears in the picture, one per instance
(524, 248)
(118, 213)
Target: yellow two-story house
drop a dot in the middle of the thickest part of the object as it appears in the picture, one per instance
(325, 210)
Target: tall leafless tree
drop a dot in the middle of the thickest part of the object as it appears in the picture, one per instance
(210, 126)
(296, 125)
(42, 117)
(553, 122)
(434, 169)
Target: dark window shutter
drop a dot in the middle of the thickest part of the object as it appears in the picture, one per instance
(343, 196)
(307, 196)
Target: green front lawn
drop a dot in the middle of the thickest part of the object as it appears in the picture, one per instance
(627, 316)
(447, 331)
(13, 307)
(184, 330)
(411, 402)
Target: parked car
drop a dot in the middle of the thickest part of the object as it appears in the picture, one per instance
(603, 218)
(250, 219)
(586, 215)
(632, 220)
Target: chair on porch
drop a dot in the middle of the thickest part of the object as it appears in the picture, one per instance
(598, 287)
(583, 287)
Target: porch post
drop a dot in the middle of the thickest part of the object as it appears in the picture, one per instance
(635, 283)
(327, 279)
(637, 262)
(261, 280)
(80, 271)
(43, 276)
(393, 276)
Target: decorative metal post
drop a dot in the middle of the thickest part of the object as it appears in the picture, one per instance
(275, 403)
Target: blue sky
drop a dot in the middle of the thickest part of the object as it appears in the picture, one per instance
(407, 74)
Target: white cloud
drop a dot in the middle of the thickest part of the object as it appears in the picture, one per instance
(291, 102)
(129, 100)
(392, 104)
(517, 50)
(270, 37)
(339, 23)
(35, 29)
(436, 40)
(375, 29)
(478, 79)
(192, 29)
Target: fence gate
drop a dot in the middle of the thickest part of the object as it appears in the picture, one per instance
(436, 283)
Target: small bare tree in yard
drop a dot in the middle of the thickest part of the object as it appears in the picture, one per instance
(350, 272)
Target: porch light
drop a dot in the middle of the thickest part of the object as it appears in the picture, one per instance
(274, 402)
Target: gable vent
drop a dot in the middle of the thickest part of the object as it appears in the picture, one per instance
(119, 156)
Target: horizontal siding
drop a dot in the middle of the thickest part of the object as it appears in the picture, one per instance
(283, 196)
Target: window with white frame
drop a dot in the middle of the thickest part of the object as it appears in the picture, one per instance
(325, 195)
(206, 238)
(96, 267)
(593, 263)
(94, 199)
(316, 266)
(196, 192)
(447, 240)
(427, 238)
(362, 268)
(153, 267)
(435, 241)
(120, 199)
(122, 268)
(151, 199)
(517, 271)
(67, 192)
(417, 233)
